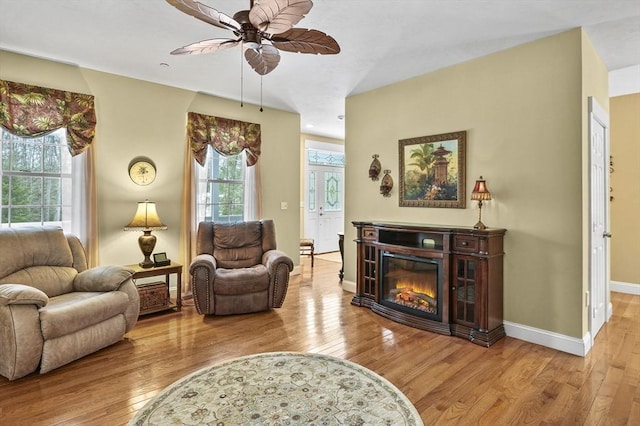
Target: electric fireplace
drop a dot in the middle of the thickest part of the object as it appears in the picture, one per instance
(412, 284)
(441, 279)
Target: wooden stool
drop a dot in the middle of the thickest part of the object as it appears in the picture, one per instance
(307, 247)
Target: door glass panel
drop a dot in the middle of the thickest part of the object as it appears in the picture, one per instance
(311, 196)
(460, 292)
(470, 312)
(471, 270)
(332, 184)
(460, 267)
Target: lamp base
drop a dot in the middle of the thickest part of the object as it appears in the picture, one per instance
(479, 225)
(147, 243)
(146, 263)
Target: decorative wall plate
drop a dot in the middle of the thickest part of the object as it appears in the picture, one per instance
(142, 170)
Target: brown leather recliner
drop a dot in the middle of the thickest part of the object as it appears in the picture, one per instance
(237, 269)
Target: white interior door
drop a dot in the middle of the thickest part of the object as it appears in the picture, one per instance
(324, 197)
(599, 211)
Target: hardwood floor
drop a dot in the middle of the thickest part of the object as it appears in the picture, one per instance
(449, 380)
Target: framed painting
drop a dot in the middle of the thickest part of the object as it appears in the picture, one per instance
(432, 171)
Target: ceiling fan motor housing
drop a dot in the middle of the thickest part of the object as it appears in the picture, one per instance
(250, 35)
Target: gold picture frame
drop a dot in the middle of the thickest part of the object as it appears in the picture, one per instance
(433, 171)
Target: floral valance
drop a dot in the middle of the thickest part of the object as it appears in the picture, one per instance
(32, 111)
(228, 137)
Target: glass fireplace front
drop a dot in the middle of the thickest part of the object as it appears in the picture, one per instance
(412, 284)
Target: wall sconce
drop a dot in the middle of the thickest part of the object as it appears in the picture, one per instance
(480, 193)
(374, 168)
(146, 219)
(386, 184)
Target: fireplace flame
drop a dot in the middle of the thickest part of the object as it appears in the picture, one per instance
(414, 295)
(412, 287)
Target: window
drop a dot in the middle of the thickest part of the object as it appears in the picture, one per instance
(37, 184)
(220, 191)
(325, 158)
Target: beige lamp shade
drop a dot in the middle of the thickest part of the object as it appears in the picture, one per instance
(146, 217)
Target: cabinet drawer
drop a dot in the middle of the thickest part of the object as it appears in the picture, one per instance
(466, 243)
(369, 233)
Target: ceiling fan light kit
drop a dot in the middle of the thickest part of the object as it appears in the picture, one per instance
(264, 30)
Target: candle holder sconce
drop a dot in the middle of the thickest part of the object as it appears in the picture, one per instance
(387, 184)
(374, 168)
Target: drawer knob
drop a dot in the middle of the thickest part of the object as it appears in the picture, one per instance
(465, 243)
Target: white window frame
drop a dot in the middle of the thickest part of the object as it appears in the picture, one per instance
(205, 205)
(71, 191)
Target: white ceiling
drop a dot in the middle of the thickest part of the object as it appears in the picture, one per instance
(382, 42)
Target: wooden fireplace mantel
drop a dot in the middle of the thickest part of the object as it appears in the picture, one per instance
(472, 268)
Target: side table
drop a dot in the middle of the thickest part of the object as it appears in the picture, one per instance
(173, 268)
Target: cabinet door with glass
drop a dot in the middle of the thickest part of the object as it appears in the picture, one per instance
(466, 291)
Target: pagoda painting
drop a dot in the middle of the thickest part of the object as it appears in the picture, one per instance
(432, 171)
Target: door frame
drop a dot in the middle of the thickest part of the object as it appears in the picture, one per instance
(599, 115)
(320, 146)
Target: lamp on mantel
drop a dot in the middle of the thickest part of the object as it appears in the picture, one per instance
(146, 219)
(480, 193)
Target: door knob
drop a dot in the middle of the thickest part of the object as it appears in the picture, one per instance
(606, 235)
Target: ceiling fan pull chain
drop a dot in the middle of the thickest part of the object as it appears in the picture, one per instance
(261, 93)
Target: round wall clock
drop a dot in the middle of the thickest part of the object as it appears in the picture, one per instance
(142, 170)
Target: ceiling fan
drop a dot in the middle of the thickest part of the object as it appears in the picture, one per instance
(264, 29)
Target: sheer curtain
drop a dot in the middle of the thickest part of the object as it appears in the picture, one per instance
(227, 137)
(84, 214)
(252, 193)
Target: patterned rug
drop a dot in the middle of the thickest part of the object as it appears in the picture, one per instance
(280, 388)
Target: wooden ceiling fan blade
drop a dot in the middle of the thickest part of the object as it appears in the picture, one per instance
(264, 59)
(278, 16)
(302, 40)
(205, 13)
(206, 46)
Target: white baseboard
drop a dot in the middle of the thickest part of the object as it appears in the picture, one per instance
(349, 286)
(296, 270)
(560, 342)
(628, 288)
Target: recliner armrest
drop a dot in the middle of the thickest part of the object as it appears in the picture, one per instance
(272, 258)
(203, 261)
(19, 294)
(102, 278)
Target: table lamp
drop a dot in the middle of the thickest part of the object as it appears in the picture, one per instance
(480, 193)
(146, 219)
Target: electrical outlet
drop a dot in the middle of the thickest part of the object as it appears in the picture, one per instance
(586, 298)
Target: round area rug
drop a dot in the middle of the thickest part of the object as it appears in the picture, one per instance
(280, 388)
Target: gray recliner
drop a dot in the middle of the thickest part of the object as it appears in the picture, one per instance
(238, 269)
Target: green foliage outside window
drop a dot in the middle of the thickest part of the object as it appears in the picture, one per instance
(222, 199)
(35, 172)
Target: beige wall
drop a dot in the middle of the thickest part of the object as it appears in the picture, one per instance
(595, 83)
(140, 118)
(523, 112)
(625, 181)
